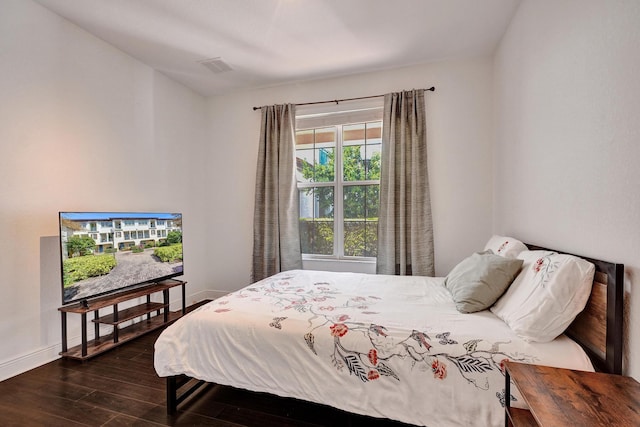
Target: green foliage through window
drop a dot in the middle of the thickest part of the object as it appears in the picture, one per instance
(359, 148)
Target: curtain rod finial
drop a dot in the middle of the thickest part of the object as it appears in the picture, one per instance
(432, 89)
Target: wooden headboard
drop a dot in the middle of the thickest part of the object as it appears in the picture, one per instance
(598, 329)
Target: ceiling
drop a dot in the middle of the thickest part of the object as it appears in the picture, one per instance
(272, 42)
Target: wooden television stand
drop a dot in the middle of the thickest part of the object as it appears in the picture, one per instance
(163, 316)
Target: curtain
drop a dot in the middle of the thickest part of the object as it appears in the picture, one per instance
(276, 237)
(405, 230)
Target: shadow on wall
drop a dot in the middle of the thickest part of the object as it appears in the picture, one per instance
(50, 290)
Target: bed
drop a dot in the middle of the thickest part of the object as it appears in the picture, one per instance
(384, 346)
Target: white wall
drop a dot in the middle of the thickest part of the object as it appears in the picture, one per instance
(459, 137)
(83, 127)
(567, 104)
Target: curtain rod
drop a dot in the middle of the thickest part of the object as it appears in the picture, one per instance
(432, 89)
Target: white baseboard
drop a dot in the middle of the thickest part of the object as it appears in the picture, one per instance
(28, 361)
(205, 295)
(18, 365)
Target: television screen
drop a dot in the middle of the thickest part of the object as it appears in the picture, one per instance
(104, 252)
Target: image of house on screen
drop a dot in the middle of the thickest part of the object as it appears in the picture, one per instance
(119, 230)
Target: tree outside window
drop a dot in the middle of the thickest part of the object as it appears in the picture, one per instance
(338, 170)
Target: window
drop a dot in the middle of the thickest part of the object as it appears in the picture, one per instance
(338, 174)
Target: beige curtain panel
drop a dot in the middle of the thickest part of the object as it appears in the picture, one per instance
(276, 237)
(405, 230)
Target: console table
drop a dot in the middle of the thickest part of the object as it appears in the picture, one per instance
(162, 317)
(564, 397)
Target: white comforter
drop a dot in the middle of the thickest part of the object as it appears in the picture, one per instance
(383, 346)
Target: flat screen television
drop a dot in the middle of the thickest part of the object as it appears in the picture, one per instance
(105, 252)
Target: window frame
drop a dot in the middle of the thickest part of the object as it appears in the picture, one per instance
(339, 117)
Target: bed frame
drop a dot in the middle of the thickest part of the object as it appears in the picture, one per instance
(598, 329)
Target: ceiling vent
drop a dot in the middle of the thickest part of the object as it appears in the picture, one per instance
(216, 65)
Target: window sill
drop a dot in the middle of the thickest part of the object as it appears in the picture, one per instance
(342, 265)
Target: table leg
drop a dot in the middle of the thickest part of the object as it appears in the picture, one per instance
(64, 331)
(96, 325)
(84, 334)
(507, 397)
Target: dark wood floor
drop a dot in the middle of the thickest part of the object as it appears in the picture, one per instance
(121, 388)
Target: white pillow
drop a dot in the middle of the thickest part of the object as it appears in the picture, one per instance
(550, 291)
(507, 247)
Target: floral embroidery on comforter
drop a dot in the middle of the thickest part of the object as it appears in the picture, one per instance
(318, 336)
(325, 308)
